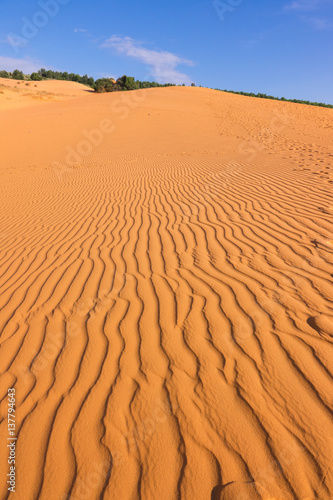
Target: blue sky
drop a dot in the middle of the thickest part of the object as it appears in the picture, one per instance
(283, 48)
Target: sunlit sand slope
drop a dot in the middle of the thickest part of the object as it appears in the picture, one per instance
(166, 297)
(20, 93)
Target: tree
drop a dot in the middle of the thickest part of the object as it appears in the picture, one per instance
(105, 85)
(127, 83)
(192, 84)
(4, 74)
(35, 77)
(17, 75)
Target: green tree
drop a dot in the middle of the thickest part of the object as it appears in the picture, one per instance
(35, 77)
(17, 75)
(127, 83)
(105, 85)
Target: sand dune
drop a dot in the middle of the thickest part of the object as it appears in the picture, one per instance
(19, 93)
(166, 297)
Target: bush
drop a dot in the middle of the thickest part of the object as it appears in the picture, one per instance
(127, 83)
(4, 74)
(105, 85)
(35, 77)
(17, 75)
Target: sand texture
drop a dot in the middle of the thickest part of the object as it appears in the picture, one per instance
(166, 295)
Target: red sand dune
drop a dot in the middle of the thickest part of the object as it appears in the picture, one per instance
(166, 295)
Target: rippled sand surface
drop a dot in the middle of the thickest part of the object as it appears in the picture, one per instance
(166, 296)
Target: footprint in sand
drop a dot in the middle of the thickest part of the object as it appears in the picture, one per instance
(238, 490)
(320, 243)
(323, 324)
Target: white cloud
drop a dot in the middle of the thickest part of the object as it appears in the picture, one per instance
(80, 30)
(162, 65)
(25, 65)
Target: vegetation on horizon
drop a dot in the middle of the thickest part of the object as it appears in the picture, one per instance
(100, 85)
(49, 74)
(126, 83)
(265, 96)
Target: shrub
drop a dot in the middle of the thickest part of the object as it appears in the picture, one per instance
(17, 75)
(35, 77)
(105, 85)
(127, 83)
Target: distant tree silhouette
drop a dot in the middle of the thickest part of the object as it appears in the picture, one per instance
(72, 77)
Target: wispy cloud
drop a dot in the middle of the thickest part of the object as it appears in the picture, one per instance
(256, 40)
(15, 41)
(301, 5)
(26, 65)
(162, 65)
(306, 11)
(80, 30)
(319, 23)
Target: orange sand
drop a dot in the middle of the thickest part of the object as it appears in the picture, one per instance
(19, 93)
(166, 295)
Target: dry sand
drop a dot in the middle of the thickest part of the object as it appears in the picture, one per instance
(19, 93)
(166, 295)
